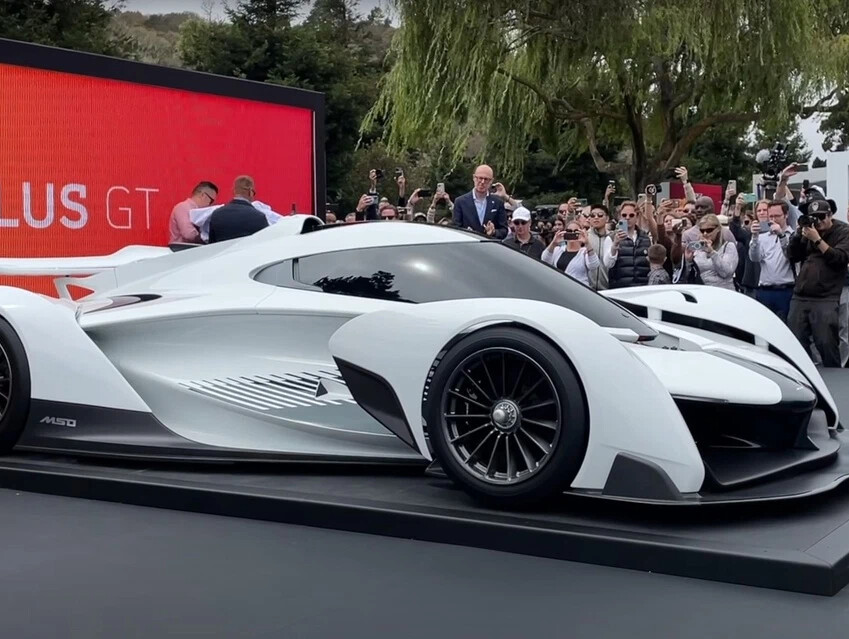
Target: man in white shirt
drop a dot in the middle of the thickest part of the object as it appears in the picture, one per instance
(767, 248)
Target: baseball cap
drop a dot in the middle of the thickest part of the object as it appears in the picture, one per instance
(818, 207)
(522, 213)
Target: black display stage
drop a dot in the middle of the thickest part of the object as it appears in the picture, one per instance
(800, 545)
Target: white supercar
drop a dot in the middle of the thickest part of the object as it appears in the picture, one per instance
(408, 343)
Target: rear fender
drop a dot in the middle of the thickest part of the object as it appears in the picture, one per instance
(630, 410)
(65, 365)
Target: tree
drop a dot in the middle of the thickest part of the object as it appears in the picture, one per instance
(652, 75)
(332, 51)
(835, 124)
(82, 25)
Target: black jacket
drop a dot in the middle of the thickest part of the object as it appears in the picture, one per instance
(237, 218)
(748, 272)
(534, 247)
(632, 263)
(466, 214)
(821, 275)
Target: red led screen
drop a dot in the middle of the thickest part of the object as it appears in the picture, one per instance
(90, 165)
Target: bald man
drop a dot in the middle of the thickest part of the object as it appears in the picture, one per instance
(238, 218)
(480, 210)
(703, 206)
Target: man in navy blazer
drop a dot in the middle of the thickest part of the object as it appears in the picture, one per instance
(479, 210)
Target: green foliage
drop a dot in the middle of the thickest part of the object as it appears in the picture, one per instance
(334, 52)
(155, 36)
(83, 25)
(649, 75)
(836, 124)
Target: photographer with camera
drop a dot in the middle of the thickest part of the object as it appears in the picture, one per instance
(710, 260)
(821, 247)
(767, 248)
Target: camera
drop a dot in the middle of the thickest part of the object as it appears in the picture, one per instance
(399, 172)
(772, 162)
(807, 220)
(378, 173)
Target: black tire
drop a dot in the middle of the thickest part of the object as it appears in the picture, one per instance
(14, 387)
(558, 396)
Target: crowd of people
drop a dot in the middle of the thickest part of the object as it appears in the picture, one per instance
(789, 251)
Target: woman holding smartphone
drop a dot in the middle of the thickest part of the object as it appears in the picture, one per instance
(711, 260)
(570, 252)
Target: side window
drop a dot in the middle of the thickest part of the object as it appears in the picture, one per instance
(381, 273)
(279, 274)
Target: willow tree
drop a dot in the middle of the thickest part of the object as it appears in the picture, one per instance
(647, 76)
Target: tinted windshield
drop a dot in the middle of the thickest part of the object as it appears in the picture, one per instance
(436, 272)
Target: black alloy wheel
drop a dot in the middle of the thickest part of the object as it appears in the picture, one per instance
(506, 417)
(14, 387)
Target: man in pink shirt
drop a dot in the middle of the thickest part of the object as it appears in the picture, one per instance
(180, 226)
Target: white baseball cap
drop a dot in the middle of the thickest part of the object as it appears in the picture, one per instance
(522, 213)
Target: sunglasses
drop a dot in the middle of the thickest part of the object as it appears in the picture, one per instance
(709, 229)
(628, 216)
(520, 222)
(597, 215)
(387, 217)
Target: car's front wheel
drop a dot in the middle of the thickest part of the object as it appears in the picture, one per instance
(506, 417)
(14, 387)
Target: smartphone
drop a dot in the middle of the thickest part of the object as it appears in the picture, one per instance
(750, 198)
(425, 193)
(440, 188)
(583, 201)
(399, 172)
(378, 174)
(622, 226)
(802, 167)
(641, 197)
(732, 185)
(764, 227)
(572, 235)
(493, 189)
(696, 246)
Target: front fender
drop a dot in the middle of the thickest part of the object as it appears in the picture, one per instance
(630, 410)
(728, 309)
(65, 365)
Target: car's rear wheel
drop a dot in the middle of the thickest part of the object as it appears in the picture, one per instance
(506, 417)
(14, 387)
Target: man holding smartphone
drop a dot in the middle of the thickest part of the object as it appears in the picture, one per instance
(767, 248)
(627, 257)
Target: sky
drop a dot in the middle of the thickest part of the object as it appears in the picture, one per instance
(809, 127)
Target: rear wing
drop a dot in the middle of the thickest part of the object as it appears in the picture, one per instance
(68, 271)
